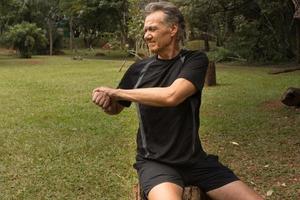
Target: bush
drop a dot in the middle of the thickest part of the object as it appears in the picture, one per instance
(25, 38)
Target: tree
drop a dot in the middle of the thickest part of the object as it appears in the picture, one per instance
(9, 14)
(267, 37)
(98, 17)
(71, 10)
(135, 25)
(25, 37)
(52, 17)
(257, 30)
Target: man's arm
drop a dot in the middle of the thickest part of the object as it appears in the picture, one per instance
(158, 96)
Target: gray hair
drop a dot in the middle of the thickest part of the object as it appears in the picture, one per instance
(173, 16)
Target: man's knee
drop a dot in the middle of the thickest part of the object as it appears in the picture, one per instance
(166, 191)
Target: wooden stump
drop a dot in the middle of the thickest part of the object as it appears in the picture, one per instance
(210, 78)
(194, 193)
(291, 97)
(190, 193)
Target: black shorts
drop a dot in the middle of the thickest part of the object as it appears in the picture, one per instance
(208, 174)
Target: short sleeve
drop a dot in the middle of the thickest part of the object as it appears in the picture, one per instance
(128, 81)
(194, 69)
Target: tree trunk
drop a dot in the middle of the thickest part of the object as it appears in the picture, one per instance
(279, 71)
(124, 29)
(190, 193)
(210, 78)
(206, 42)
(297, 23)
(50, 37)
(291, 97)
(71, 33)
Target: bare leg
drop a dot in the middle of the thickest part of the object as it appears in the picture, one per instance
(236, 190)
(166, 191)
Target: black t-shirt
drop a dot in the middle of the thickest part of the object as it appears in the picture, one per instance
(170, 134)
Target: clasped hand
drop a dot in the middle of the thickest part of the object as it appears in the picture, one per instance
(103, 97)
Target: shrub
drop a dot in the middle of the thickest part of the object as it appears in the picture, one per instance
(25, 38)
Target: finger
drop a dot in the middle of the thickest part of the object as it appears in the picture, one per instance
(94, 91)
(94, 97)
(97, 90)
(102, 100)
(99, 98)
(107, 102)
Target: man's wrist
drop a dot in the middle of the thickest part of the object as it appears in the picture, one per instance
(116, 94)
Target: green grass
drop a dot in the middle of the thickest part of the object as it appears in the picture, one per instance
(55, 144)
(97, 53)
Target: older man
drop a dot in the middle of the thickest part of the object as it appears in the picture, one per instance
(167, 91)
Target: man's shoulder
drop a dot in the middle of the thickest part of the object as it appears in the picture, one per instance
(193, 54)
(145, 60)
(137, 66)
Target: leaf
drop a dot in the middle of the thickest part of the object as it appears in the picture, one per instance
(270, 192)
(235, 143)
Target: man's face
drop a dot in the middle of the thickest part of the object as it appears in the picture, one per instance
(157, 33)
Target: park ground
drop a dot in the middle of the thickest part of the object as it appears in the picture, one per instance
(55, 144)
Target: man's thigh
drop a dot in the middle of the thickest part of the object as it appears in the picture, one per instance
(236, 190)
(152, 174)
(208, 174)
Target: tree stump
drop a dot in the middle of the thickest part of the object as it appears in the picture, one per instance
(291, 97)
(194, 193)
(190, 193)
(210, 78)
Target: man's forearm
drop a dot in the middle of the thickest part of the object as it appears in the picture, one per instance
(156, 96)
(160, 96)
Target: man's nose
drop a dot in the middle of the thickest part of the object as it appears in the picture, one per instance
(147, 36)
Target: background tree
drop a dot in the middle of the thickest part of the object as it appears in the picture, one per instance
(98, 17)
(135, 25)
(8, 14)
(257, 30)
(71, 10)
(45, 14)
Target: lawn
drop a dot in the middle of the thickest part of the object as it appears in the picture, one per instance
(55, 144)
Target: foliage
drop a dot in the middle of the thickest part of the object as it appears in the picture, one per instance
(258, 30)
(267, 37)
(25, 37)
(8, 14)
(135, 22)
(97, 17)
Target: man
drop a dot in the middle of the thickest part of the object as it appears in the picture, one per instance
(167, 91)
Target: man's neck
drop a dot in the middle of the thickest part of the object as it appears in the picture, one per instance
(169, 52)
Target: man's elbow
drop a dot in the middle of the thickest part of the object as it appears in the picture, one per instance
(172, 100)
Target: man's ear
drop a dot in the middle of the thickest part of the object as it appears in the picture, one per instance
(174, 29)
